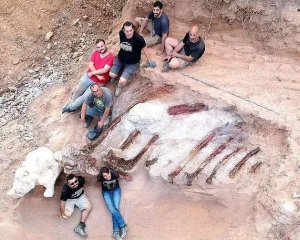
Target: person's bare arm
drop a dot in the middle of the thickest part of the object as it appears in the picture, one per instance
(144, 24)
(83, 111)
(178, 47)
(184, 57)
(105, 115)
(105, 69)
(62, 207)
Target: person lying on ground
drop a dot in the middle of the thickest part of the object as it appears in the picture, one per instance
(73, 195)
(186, 52)
(111, 193)
(98, 104)
(100, 63)
(157, 23)
(129, 56)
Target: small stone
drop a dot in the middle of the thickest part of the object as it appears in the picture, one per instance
(37, 69)
(12, 88)
(49, 46)
(90, 24)
(2, 122)
(75, 21)
(27, 139)
(39, 26)
(9, 146)
(44, 51)
(48, 36)
(15, 61)
(30, 71)
(85, 17)
(47, 58)
(55, 43)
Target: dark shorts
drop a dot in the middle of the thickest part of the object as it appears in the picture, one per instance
(128, 69)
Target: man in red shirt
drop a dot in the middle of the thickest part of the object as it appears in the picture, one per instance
(100, 64)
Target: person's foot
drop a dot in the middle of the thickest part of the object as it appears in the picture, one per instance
(88, 121)
(116, 235)
(124, 231)
(80, 229)
(118, 91)
(66, 109)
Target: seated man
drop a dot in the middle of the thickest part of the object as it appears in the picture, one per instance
(98, 72)
(73, 195)
(186, 52)
(98, 104)
(129, 56)
(157, 23)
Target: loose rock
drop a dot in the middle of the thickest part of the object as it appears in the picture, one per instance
(48, 36)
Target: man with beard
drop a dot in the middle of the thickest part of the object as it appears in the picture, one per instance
(72, 196)
(101, 62)
(129, 56)
(186, 52)
(157, 23)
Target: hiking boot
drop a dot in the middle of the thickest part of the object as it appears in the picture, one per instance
(88, 121)
(94, 133)
(118, 91)
(80, 229)
(116, 235)
(124, 231)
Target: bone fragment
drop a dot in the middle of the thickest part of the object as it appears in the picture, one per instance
(126, 165)
(255, 167)
(191, 176)
(185, 108)
(132, 136)
(220, 164)
(192, 154)
(241, 163)
(150, 162)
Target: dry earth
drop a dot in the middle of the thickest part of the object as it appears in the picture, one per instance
(251, 63)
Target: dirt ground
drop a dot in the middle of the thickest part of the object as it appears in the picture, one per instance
(243, 67)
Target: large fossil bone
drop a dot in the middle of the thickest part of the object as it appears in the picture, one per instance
(241, 163)
(192, 154)
(185, 108)
(132, 136)
(150, 162)
(220, 164)
(125, 165)
(191, 176)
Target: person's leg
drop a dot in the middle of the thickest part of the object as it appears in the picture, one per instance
(84, 83)
(174, 63)
(117, 200)
(170, 44)
(138, 23)
(129, 70)
(85, 207)
(69, 209)
(116, 68)
(118, 221)
(80, 100)
(152, 40)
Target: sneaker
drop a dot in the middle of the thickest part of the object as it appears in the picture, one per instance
(116, 235)
(94, 133)
(165, 68)
(124, 231)
(66, 109)
(88, 120)
(118, 91)
(80, 230)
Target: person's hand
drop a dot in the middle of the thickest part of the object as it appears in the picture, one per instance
(100, 124)
(90, 74)
(174, 54)
(159, 52)
(101, 78)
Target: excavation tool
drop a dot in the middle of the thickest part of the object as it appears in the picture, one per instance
(149, 63)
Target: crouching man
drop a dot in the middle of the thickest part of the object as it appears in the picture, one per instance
(73, 195)
(185, 53)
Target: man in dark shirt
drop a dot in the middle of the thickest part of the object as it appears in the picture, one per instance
(73, 195)
(186, 52)
(98, 104)
(129, 56)
(157, 23)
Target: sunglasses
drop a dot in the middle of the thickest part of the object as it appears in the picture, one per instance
(73, 183)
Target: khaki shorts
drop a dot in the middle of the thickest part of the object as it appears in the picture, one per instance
(83, 203)
(183, 63)
(152, 39)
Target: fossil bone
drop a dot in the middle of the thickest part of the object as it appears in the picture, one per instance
(241, 163)
(185, 108)
(129, 139)
(255, 167)
(150, 162)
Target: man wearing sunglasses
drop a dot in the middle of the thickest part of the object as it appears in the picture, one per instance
(98, 104)
(100, 63)
(73, 195)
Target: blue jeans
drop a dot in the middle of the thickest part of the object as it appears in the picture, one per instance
(112, 201)
(81, 92)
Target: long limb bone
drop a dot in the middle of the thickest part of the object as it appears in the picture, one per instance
(155, 93)
(243, 161)
(191, 176)
(220, 164)
(254, 167)
(126, 165)
(129, 139)
(192, 154)
(185, 108)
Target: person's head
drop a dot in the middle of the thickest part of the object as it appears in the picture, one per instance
(96, 90)
(105, 173)
(128, 29)
(194, 34)
(101, 46)
(157, 9)
(72, 181)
